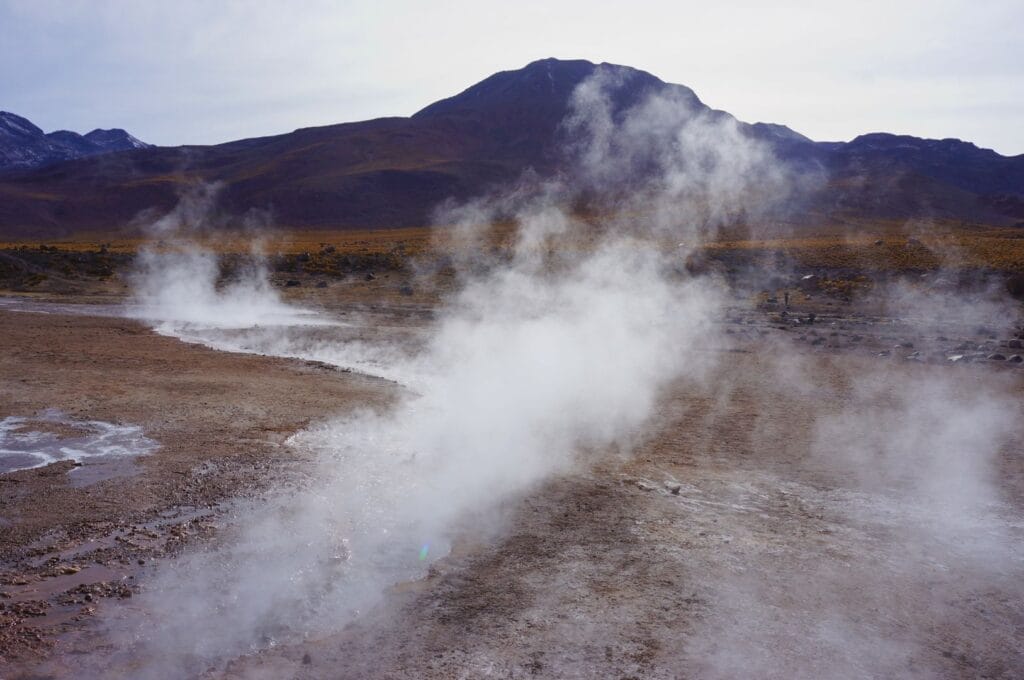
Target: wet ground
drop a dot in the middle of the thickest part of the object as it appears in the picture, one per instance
(743, 536)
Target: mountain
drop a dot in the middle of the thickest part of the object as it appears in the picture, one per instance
(23, 145)
(393, 172)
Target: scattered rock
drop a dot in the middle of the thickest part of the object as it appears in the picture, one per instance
(1015, 344)
(292, 283)
(369, 276)
(1015, 286)
(1015, 359)
(996, 357)
(307, 659)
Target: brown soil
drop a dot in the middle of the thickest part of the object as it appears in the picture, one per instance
(220, 420)
(718, 548)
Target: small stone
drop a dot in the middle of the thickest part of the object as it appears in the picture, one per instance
(996, 357)
(1015, 359)
(1015, 344)
(307, 659)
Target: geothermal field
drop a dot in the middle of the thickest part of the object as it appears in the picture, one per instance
(662, 416)
(596, 471)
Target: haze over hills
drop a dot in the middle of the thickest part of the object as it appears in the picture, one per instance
(392, 172)
(24, 145)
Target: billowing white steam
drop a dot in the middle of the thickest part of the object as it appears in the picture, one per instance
(539, 358)
(531, 363)
(178, 283)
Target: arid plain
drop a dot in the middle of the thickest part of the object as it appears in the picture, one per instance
(835, 488)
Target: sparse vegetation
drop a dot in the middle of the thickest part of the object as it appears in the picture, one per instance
(845, 257)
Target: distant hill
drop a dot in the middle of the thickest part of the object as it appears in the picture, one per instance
(23, 145)
(392, 172)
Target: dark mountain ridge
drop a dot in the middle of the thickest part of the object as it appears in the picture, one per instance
(392, 172)
(23, 145)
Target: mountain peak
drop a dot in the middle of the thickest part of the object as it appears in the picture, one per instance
(25, 145)
(395, 171)
(545, 83)
(13, 124)
(114, 139)
(541, 82)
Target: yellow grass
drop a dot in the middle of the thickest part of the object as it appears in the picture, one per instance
(862, 246)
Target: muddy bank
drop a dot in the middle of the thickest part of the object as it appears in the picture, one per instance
(218, 419)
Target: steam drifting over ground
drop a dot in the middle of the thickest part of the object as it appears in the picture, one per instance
(542, 364)
(178, 282)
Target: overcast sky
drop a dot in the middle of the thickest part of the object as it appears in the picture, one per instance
(188, 72)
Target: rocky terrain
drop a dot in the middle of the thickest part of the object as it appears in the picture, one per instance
(72, 537)
(23, 145)
(728, 543)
